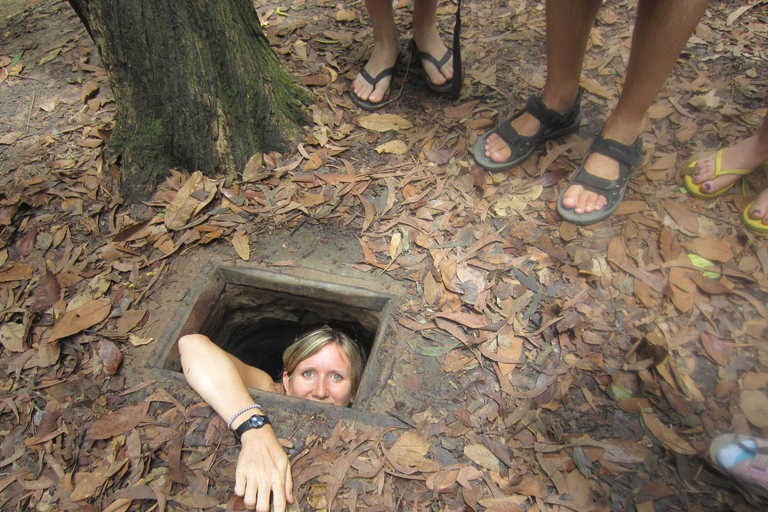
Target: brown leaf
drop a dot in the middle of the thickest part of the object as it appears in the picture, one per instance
(595, 87)
(132, 232)
(10, 137)
(320, 79)
(680, 298)
(715, 348)
(462, 110)
(754, 380)
(28, 243)
(81, 318)
(616, 250)
(242, 246)
(117, 422)
(46, 293)
(666, 435)
(482, 456)
(130, 319)
(192, 197)
(471, 320)
(17, 272)
(668, 244)
(12, 336)
(89, 89)
(92, 482)
(430, 289)
(709, 285)
(710, 248)
(110, 356)
(630, 207)
(683, 216)
(754, 404)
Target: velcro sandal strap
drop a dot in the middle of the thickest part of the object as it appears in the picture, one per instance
(539, 110)
(630, 155)
(507, 133)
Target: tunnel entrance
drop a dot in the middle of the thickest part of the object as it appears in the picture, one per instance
(254, 315)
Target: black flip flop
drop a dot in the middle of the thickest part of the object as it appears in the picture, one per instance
(448, 85)
(629, 157)
(368, 105)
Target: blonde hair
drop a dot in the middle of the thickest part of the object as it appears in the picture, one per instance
(314, 341)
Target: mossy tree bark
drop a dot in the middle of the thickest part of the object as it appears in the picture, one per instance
(196, 85)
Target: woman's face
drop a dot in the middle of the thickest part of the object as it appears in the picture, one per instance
(324, 377)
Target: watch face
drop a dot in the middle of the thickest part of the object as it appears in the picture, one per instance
(256, 421)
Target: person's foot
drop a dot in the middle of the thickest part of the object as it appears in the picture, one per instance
(430, 42)
(747, 154)
(582, 200)
(758, 211)
(526, 125)
(742, 457)
(383, 56)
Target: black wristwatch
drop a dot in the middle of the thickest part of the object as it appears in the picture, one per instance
(255, 421)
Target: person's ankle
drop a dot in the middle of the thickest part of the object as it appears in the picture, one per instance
(559, 101)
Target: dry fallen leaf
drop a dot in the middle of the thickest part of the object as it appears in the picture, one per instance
(384, 122)
(196, 193)
(72, 322)
(666, 435)
(395, 147)
(482, 456)
(754, 404)
(110, 356)
(12, 336)
(10, 137)
(242, 246)
(117, 422)
(710, 248)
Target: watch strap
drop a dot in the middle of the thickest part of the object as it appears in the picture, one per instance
(255, 421)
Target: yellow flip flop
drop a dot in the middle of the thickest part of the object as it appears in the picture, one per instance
(697, 190)
(752, 224)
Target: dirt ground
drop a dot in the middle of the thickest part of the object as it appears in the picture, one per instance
(528, 364)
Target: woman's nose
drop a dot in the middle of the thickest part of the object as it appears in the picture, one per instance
(321, 389)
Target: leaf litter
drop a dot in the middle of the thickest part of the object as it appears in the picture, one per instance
(594, 363)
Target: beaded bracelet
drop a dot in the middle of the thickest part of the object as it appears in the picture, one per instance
(255, 406)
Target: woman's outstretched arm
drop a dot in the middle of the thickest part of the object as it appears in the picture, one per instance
(221, 380)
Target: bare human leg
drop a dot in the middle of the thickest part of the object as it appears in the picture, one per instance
(661, 30)
(428, 40)
(384, 54)
(568, 25)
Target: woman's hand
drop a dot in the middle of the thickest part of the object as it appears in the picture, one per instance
(263, 468)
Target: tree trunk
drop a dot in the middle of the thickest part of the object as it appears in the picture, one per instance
(196, 85)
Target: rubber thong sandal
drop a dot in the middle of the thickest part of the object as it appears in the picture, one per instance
(749, 458)
(553, 125)
(369, 105)
(698, 190)
(629, 157)
(442, 88)
(756, 225)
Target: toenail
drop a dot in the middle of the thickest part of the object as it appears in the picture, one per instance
(707, 186)
(756, 213)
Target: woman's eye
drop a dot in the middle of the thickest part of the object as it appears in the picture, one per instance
(307, 374)
(336, 376)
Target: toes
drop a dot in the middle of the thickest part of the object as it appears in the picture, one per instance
(497, 149)
(571, 196)
(759, 209)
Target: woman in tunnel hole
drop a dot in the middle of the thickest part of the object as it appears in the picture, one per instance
(324, 365)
